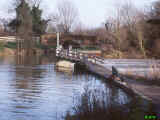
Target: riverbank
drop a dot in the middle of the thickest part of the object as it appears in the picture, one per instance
(11, 52)
(9, 49)
(43, 49)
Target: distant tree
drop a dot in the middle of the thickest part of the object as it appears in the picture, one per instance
(4, 24)
(24, 28)
(23, 11)
(124, 26)
(152, 29)
(39, 24)
(66, 16)
(22, 25)
(79, 28)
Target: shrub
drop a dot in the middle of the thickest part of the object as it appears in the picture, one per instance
(12, 45)
(41, 46)
(89, 48)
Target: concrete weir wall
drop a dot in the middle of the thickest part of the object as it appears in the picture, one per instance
(103, 72)
(132, 87)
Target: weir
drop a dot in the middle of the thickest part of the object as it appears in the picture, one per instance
(94, 64)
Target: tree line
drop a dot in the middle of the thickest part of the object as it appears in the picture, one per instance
(129, 31)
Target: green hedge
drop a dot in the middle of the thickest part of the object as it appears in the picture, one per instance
(40, 46)
(12, 45)
(89, 48)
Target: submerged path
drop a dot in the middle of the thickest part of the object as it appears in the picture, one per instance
(133, 87)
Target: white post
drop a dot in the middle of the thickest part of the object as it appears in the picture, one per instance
(58, 40)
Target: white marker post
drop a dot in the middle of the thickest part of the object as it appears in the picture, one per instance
(58, 40)
(57, 48)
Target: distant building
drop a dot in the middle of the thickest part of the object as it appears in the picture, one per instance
(69, 39)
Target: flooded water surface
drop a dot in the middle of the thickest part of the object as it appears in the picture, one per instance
(139, 67)
(32, 89)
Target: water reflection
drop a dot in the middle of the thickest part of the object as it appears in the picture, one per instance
(31, 88)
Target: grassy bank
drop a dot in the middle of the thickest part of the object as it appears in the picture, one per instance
(90, 107)
(115, 54)
(7, 48)
(43, 47)
(11, 45)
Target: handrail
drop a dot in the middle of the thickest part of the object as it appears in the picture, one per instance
(78, 56)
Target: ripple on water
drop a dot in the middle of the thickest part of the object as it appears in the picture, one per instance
(38, 91)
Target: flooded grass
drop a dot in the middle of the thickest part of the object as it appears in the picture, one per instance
(93, 105)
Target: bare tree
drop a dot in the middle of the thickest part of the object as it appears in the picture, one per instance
(4, 23)
(124, 24)
(79, 28)
(35, 2)
(66, 16)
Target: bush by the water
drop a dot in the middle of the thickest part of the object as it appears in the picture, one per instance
(12, 45)
(41, 46)
(89, 48)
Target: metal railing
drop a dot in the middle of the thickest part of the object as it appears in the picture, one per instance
(78, 56)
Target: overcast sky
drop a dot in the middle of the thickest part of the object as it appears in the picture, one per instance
(92, 13)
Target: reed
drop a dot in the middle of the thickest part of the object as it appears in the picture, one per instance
(90, 107)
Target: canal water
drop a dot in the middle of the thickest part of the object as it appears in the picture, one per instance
(32, 89)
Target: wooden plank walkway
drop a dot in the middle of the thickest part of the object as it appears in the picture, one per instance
(93, 64)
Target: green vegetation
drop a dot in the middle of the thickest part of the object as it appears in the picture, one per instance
(89, 48)
(11, 45)
(39, 25)
(33, 13)
(41, 46)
